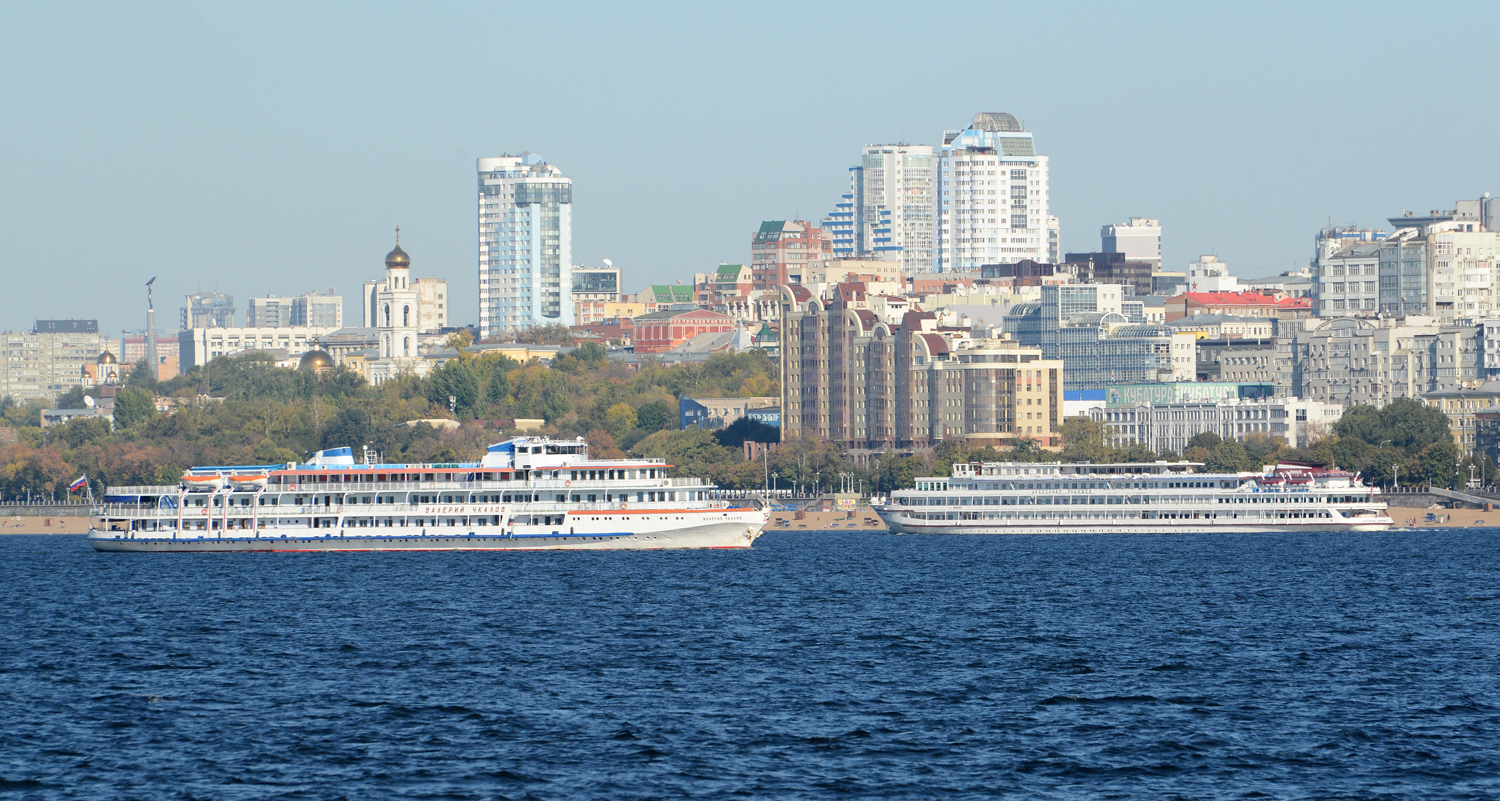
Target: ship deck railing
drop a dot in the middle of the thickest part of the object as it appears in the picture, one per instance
(393, 509)
(620, 485)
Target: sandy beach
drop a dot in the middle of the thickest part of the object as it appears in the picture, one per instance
(43, 525)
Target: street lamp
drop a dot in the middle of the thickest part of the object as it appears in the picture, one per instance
(774, 476)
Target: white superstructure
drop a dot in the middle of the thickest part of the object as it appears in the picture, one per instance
(1142, 498)
(526, 493)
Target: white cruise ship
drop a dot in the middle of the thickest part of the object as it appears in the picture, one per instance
(1158, 497)
(526, 493)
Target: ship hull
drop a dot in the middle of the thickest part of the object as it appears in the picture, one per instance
(727, 534)
(896, 524)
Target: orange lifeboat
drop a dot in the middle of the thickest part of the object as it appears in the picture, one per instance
(202, 483)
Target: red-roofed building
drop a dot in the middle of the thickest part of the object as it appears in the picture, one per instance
(1237, 304)
(659, 332)
(939, 283)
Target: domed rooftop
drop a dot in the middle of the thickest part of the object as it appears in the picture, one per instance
(315, 360)
(106, 358)
(397, 257)
(996, 121)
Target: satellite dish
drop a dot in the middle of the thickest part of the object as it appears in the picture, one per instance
(608, 263)
(88, 400)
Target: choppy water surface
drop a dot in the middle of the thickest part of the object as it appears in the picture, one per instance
(814, 666)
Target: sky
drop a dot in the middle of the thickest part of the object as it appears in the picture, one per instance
(264, 148)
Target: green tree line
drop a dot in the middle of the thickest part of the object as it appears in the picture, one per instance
(269, 414)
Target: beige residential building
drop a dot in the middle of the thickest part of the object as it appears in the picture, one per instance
(852, 377)
(1461, 405)
(199, 346)
(836, 271)
(55, 357)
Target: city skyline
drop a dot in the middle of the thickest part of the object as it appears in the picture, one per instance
(324, 162)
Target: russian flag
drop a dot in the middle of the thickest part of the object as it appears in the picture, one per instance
(79, 484)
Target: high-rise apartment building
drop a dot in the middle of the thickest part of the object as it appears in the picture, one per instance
(208, 310)
(525, 244)
(274, 311)
(49, 360)
(1139, 239)
(992, 205)
(785, 247)
(1345, 281)
(318, 311)
(1445, 264)
(855, 378)
(895, 195)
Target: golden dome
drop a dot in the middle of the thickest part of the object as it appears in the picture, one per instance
(397, 257)
(106, 358)
(316, 360)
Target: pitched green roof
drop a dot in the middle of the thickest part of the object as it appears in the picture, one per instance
(730, 270)
(672, 293)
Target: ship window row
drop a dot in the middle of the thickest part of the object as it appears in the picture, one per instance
(506, 497)
(1229, 484)
(1067, 500)
(620, 474)
(1103, 514)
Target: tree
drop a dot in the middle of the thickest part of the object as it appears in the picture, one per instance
(655, 416)
(73, 398)
(1207, 440)
(1085, 440)
(743, 430)
(458, 381)
(947, 453)
(141, 375)
(1027, 449)
(900, 472)
(134, 406)
(692, 451)
(620, 419)
(1229, 457)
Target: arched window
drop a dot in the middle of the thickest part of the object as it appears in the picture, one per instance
(405, 316)
(406, 346)
(385, 346)
(387, 315)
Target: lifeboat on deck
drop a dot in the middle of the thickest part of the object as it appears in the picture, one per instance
(247, 481)
(202, 483)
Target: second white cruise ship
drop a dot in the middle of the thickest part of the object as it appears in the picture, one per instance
(1157, 497)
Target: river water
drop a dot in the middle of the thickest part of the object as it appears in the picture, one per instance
(829, 665)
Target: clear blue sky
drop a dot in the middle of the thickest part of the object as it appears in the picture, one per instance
(272, 149)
